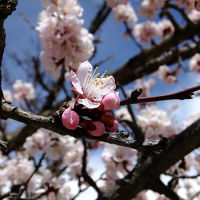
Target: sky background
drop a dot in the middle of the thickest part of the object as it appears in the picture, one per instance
(23, 40)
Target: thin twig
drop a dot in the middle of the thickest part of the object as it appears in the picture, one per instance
(182, 95)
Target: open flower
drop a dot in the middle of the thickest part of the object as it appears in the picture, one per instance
(90, 87)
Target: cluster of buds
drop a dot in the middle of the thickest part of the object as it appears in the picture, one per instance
(97, 97)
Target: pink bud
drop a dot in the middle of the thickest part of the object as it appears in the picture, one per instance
(110, 101)
(94, 128)
(114, 128)
(197, 5)
(107, 119)
(70, 119)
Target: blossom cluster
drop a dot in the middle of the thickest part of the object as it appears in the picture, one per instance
(118, 160)
(149, 30)
(22, 92)
(94, 92)
(65, 42)
(149, 8)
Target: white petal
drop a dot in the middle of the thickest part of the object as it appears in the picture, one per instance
(76, 83)
(88, 103)
(84, 70)
(108, 85)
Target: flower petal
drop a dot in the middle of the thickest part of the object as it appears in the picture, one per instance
(76, 83)
(84, 70)
(88, 103)
(107, 86)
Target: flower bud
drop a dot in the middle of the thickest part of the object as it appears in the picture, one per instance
(110, 101)
(114, 128)
(107, 119)
(70, 119)
(96, 128)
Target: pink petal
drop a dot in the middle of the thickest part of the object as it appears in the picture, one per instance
(88, 103)
(76, 83)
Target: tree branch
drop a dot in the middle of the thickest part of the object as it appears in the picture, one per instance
(85, 175)
(55, 125)
(145, 175)
(151, 58)
(184, 94)
(163, 189)
(6, 8)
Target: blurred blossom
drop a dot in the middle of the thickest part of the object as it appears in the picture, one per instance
(122, 113)
(117, 159)
(23, 91)
(146, 31)
(148, 8)
(186, 4)
(194, 15)
(194, 63)
(165, 75)
(155, 123)
(166, 28)
(125, 13)
(7, 95)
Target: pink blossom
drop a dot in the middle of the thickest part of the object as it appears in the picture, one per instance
(148, 8)
(166, 28)
(165, 75)
(155, 123)
(125, 13)
(70, 119)
(65, 42)
(146, 31)
(110, 101)
(7, 95)
(94, 128)
(194, 63)
(90, 87)
(194, 15)
(23, 91)
(187, 4)
(122, 113)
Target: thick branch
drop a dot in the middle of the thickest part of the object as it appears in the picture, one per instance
(6, 8)
(151, 58)
(52, 124)
(145, 175)
(163, 189)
